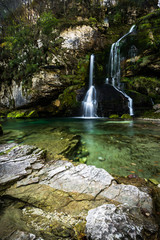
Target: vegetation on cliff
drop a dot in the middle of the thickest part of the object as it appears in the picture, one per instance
(30, 40)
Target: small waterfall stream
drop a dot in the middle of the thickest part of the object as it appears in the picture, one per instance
(89, 103)
(115, 69)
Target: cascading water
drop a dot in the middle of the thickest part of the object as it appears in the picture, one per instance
(130, 101)
(115, 69)
(89, 103)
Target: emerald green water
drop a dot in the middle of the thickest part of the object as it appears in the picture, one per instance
(120, 147)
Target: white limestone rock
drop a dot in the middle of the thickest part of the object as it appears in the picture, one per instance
(82, 178)
(110, 222)
(94, 181)
(77, 37)
(17, 163)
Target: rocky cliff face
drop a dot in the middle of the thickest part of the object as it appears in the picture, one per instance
(64, 71)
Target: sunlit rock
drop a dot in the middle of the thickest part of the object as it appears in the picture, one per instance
(78, 37)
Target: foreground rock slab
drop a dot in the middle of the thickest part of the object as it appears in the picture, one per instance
(61, 200)
(18, 161)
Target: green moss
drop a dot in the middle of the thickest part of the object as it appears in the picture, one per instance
(83, 160)
(68, 98)
(126, 116)
(147, 86)
(32, 114)
(92, 21)
(154, 181)
(149, 32)
(114, 116)
(23, 114)
(16, 114)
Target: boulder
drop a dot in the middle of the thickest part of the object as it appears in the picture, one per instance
(109, 221)
(53, 199)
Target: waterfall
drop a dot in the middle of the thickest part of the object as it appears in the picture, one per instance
(89, 103)
(130, 101)
(115, 68)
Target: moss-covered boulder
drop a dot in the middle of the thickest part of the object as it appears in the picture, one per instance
(23, 114)
(126, 117)
(114, 116)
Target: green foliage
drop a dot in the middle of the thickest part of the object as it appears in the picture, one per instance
(47, 22)
(92, 21)
(149, 31)
(117, 17)
(83, 66)
(25, 47)
(68, 98)
(146, 85)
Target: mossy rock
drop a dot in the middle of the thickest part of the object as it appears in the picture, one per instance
(23, 114)
(83, 160)
(114, 116)
(16, 114)
(126, 116)
(32, 114)
(142, 88)
(154, 181)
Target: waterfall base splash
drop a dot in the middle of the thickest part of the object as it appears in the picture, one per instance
(90, 103)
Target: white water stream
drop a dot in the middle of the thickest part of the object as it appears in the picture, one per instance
(89, 103)
(115, 69)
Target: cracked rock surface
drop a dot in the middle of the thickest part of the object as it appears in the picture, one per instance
(60, 200)
(18, 161)
(111, 222)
